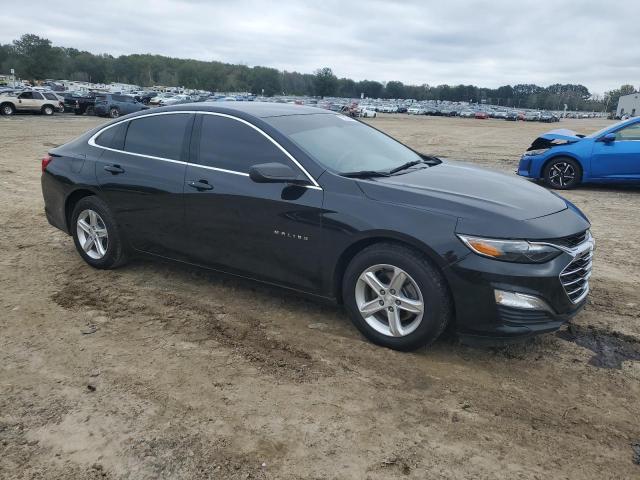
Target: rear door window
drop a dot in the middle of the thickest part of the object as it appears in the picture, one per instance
(232, 145)
(158, 135)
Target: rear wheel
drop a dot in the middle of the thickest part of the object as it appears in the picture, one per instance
(562, 173)
(7, 109)
(96, 234)
(396, 297)
(114, 112)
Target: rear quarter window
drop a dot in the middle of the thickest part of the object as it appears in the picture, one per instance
(113, 137)
(158, 135)
(50, 96)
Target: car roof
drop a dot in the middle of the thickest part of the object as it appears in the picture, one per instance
(256, 109)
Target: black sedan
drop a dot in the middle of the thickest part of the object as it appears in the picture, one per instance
(321, 203)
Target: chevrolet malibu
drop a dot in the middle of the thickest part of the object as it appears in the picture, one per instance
(320, 203)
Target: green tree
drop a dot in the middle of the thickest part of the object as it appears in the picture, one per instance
(325, 82)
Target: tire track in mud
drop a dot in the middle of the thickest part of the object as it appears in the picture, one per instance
(194, 321)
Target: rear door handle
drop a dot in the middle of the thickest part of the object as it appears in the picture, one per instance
(200, 185)
(115, 169)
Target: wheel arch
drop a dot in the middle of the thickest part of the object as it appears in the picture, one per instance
(72, 200)
(380, 237)
(2, 104)
(555, 156)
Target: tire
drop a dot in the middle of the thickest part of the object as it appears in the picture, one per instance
(47, 110)
(7, 109)
(114, 112)
(113, 251)
(89, 111)
(423, 282)
(562, 173)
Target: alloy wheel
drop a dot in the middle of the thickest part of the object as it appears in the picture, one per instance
(561, 174)
(389, 300)
(92, 234)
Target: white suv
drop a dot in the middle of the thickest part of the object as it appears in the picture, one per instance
(30, 101)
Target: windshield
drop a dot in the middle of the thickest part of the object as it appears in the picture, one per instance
(342, 144)
(601, 131)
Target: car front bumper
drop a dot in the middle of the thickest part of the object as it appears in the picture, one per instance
(474, 281)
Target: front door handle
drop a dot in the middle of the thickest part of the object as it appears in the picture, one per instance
(114, 169)
(200, 185)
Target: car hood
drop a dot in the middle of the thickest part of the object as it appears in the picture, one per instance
(552, 138)
(485, 201)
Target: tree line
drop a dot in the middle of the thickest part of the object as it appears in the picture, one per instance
(35, 58)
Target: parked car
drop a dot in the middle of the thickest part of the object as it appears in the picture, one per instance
(80, 103)
(175, 100)
(481, 115)
(415, 111)
(467, 114)
(532, 116)
(323, 204)
(46, 103)
(367, 112)
(113, 105)
(145, 97)
(512, 116)
(159, 97)
(547, 117)
(564, 159)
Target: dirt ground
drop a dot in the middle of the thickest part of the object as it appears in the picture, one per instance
(160, 371)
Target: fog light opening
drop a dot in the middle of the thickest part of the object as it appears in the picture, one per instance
(521, 300)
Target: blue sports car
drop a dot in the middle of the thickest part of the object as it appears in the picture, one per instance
(563, 159)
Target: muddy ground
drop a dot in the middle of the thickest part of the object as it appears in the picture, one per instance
(163, 371)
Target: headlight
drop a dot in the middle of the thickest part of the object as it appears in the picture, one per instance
(519, 251)
(539, 151)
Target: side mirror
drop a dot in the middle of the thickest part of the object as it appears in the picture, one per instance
(608, 138)
(276, 173)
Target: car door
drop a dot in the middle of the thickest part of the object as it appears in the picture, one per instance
(26, 101)
(619, 159)
(266, 231)
(141, 175)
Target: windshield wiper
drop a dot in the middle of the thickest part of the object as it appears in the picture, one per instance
(365, 174)
(404, 166)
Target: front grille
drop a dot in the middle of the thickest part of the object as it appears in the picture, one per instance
(571, 241)
(575, 276)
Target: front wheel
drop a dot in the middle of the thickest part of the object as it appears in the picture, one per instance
(114, 112)
(8, 109)
(396, 297)
(562, 173)
(47, 110)
(96, 234)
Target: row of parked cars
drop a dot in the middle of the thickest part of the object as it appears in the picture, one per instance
(99, 103)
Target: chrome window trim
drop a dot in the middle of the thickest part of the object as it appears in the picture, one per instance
(92, 142)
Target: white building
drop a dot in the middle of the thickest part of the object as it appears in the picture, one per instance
(629, 105)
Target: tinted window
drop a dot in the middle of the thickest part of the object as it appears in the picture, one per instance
(26, 95)
(157, 135)
(50, 96)
(113, 137)
(37, 96)
(232, 145)
(632, 132)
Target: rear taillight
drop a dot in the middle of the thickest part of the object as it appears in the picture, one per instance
(46, 160)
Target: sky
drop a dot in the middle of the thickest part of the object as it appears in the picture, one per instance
(485, 43)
